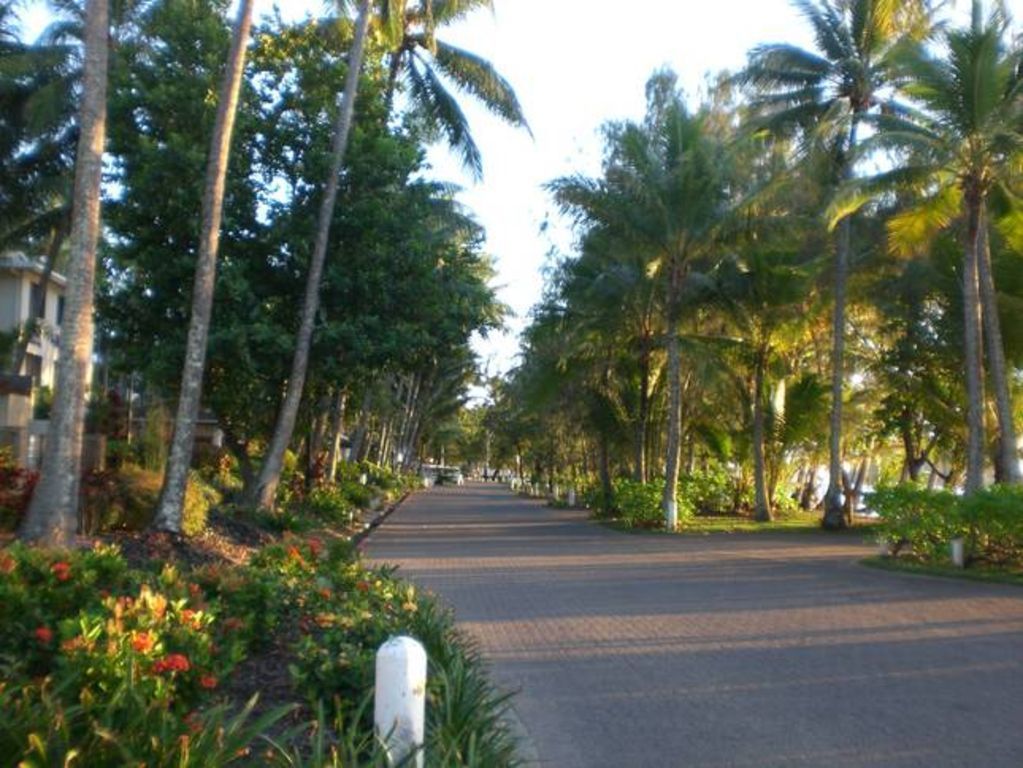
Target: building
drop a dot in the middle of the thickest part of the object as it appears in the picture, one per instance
(21, 284)
(24, 301)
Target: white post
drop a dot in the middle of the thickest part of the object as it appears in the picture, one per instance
(958, 553)
(571, 496)
(399, 706)
(557, 492)
(363, 479)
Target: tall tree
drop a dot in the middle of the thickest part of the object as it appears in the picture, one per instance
(273, 461)
(665, 187)
(425, 61)
(52, 516)
(962, 148)
(828, 94)
(172, 496)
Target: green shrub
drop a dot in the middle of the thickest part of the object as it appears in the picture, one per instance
(709, 491)
(200, 498)
(360, 496)
(330, 504)
(992, 521)
(638, 505)
(923, 520)
(122, 499)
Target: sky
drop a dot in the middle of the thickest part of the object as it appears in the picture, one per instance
(574, 65)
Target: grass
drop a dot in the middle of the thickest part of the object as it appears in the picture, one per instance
(947, 571)
(703, 525)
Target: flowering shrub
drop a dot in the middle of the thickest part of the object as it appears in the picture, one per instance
(110, 665)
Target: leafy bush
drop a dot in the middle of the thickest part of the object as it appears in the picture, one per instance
(911, 516)
(639, 504)
(16, 486)
(330, 504)
(122, 499)
(200, 498)
(709, 491)
(992, 521)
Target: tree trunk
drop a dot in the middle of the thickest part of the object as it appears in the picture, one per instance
(1007, 454)
(270, 473)
(973, 346)
(761, 500)
(643, 417)
(605, 474)
(52, 516)
(834, 518)
(38, 309)
(668, 503)
(172, 495)
(336, 429)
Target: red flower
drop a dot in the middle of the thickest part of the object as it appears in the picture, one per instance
(44, 635)
(315, 546)
(172, 662)
(209, 682)
(61, 570)
(142, 642)
(7, 563)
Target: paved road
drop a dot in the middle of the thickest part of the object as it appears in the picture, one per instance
(756, 650)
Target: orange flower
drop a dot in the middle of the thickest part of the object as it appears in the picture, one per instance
(362, 586)
(172, 662)
(142, 642)
(44, 635)
(61, 570)
(7, 563)
(74, 644)
(188, 617)
(209, 682)
(294, 554)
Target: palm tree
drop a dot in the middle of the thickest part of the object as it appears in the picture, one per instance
(172, 496)
(52, 516)
(763, 290)
(425, 61)
(273, 461)
(665, 189)
(827, 94)
(420, 55)
(962, 148)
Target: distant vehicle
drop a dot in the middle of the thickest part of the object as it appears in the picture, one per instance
(441, 475)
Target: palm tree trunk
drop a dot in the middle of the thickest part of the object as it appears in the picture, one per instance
(52, 516)
(668, 503)
(1008, 456)
(761, 500)
(972, 347)
(172, 495)
(336, 428)
(270, 473)
(834, 517)
(643, 417)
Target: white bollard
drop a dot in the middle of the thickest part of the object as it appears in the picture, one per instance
(363, 479)
(557, 492)
(958, 553)
(399, 706)
(571, 496)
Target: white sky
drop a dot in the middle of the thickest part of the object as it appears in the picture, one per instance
(574, 65)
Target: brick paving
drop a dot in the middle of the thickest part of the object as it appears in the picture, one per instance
(741, 650)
